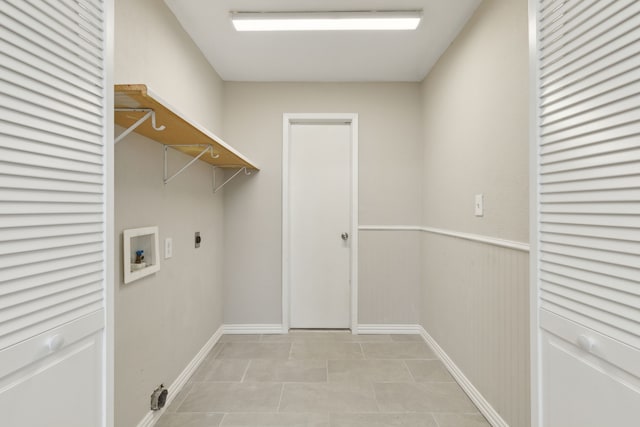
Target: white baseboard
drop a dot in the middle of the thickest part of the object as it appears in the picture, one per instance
(389, 329)
(257, 328)
(152, 416)
(476, 397)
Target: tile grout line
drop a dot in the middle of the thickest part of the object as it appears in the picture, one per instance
(434, 419)
(244, 375)
(409, 369)
(224, 415)
(186, 395)
(214, 355)
(375, 396)
(280, 400)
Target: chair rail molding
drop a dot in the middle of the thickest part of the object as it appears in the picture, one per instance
(510, 244)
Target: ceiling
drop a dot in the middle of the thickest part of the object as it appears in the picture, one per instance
(329, 56)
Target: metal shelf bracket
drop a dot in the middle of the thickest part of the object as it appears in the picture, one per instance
(242, 169)
(208, 149)
(149, 113)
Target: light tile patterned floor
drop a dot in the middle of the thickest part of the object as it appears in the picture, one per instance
(321, 379)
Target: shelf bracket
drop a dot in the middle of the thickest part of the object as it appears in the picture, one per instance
(242, 169)
(149, 113)
(208, 149)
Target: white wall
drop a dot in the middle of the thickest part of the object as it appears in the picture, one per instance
(475, 131)
(163, 320)
(390, 165)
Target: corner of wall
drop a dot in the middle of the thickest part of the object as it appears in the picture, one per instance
(163, 320)
(475, 135)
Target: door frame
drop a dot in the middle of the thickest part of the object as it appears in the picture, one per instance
(319, 118)
(535, 353)
(108, 352)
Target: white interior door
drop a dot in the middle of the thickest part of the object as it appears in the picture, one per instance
(320, 225)
(586, 164)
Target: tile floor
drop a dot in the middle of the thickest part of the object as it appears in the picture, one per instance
(321, 379)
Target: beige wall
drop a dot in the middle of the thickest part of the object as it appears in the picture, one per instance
(390, 165)
(475, 126)
(152, 48)
(389, 282)
(163, 320)
(474, 295)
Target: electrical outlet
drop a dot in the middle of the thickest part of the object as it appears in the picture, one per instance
(479, 205)
(168, 247)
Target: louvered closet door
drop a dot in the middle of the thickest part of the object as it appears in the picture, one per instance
(52, 220)
(588, 65)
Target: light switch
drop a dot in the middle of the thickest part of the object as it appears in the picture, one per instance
(479, 205)
(168, 247)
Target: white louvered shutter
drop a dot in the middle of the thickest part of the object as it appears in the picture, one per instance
(51, 165)
(589, 164)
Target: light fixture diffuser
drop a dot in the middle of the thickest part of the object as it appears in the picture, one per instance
(326, 21)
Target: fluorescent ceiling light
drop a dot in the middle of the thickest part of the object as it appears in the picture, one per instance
(326, 21)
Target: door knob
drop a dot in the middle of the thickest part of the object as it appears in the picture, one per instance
(55, 343)
(345, 236)
(586, 343)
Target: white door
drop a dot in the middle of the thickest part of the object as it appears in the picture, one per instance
(587, 180)
(320, 224)
(53, 109)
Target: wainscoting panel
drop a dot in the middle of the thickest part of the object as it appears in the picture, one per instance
(389, 277)
(475, 305)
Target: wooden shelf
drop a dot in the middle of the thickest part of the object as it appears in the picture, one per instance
(179, 130)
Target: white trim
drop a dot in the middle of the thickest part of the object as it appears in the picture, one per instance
(355, 208)
(108, 350)
(534, 190)
(285, 220)
(399, 329)
(391, 228)
(476, 397)
(152, 417)
(255, 328)
(510, 244)
(287, 120)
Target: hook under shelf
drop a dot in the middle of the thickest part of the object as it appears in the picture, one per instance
(149, 113)
(208, 149)
(242, 169)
